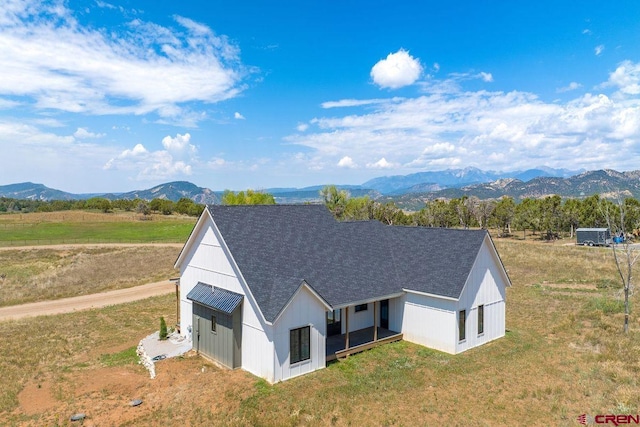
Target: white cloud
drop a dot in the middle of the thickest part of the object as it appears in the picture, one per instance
(302, 127)
(436, 67)
(571, 86)
(599, 49)
(83, 133)
(238, 116)
(346, 162)
(357, 102)
(397, 70)
(626, 78)
(139, 68)
(487, 77)
(492, 130)
(380, 164)
(175, 160)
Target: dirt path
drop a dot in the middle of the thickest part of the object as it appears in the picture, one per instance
(85, 302)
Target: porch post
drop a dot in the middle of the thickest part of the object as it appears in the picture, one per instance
(375, 322)
(346, 321)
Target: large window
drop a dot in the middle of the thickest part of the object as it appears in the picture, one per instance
(480, 319)
(462, 327)
(299, 344)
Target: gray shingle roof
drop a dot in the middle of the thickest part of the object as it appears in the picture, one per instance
(277, 247)
(217, 298)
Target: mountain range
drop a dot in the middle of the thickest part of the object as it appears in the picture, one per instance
(408, 191)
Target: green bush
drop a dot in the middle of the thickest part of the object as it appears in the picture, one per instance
(163, 329)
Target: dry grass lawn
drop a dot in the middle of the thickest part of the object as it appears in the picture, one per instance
(43, 274)
(564, 355)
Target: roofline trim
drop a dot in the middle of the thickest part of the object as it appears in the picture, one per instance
(188, 243)
(369, 300)
(427, 294)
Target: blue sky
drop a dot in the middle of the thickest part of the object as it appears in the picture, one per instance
(100, 96)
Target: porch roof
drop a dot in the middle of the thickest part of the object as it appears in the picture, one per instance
(216, 298)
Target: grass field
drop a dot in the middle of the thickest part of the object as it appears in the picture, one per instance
(564, 355)
(90, 227)
(43, 274)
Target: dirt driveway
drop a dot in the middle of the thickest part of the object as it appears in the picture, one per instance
(85, 302)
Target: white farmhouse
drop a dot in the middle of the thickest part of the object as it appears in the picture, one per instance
(279, 290)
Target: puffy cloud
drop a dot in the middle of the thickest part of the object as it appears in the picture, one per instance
(137, 68)
(302, 127)
(380, 164)
(238, 116)
(626, 78)
(397, 70)
(177, 144)
(174, 160)
(346, 162)
(599, 49)
(83, 133)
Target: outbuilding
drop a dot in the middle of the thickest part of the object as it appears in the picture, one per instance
(280, 290)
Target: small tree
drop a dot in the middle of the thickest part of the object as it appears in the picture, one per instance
(163, 329)
(623, 253)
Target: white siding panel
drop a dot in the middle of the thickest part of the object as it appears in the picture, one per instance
(361, 319)
(430, 322)
(485, 286)
(396, 313)
(257, 352)
(304, 310)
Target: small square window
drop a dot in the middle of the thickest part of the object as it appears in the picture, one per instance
(214, 323)
(480, 319)
(462, 327)
(361, 307)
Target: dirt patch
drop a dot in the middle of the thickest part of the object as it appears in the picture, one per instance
(105, 394)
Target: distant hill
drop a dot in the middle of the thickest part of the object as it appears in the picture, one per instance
(173, 191)
(606, 182)
(31, 191)
(454, 178)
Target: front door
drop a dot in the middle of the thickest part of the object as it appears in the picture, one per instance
(334, 325)
(384, 314)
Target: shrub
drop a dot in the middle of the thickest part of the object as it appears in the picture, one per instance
(163, 329)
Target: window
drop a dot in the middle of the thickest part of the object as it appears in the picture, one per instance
(214, 323)
(480, 319)
(361, 307)
(299, 344)
(462, 325)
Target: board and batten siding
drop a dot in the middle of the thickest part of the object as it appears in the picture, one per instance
(304, 309)
(223, 344)
(359, 320)
(206, 261)
(486, 285)
(429, 321)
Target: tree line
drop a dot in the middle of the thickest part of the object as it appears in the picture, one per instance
(548, 216)
(183, 206)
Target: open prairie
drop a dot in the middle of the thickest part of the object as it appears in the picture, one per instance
(564, 355)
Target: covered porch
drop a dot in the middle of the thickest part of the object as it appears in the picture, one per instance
(343, 345)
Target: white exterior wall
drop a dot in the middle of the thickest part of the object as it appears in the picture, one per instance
(429, 321)
(206, 261)
(486, 285)
(304, 309)
(359, 320)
